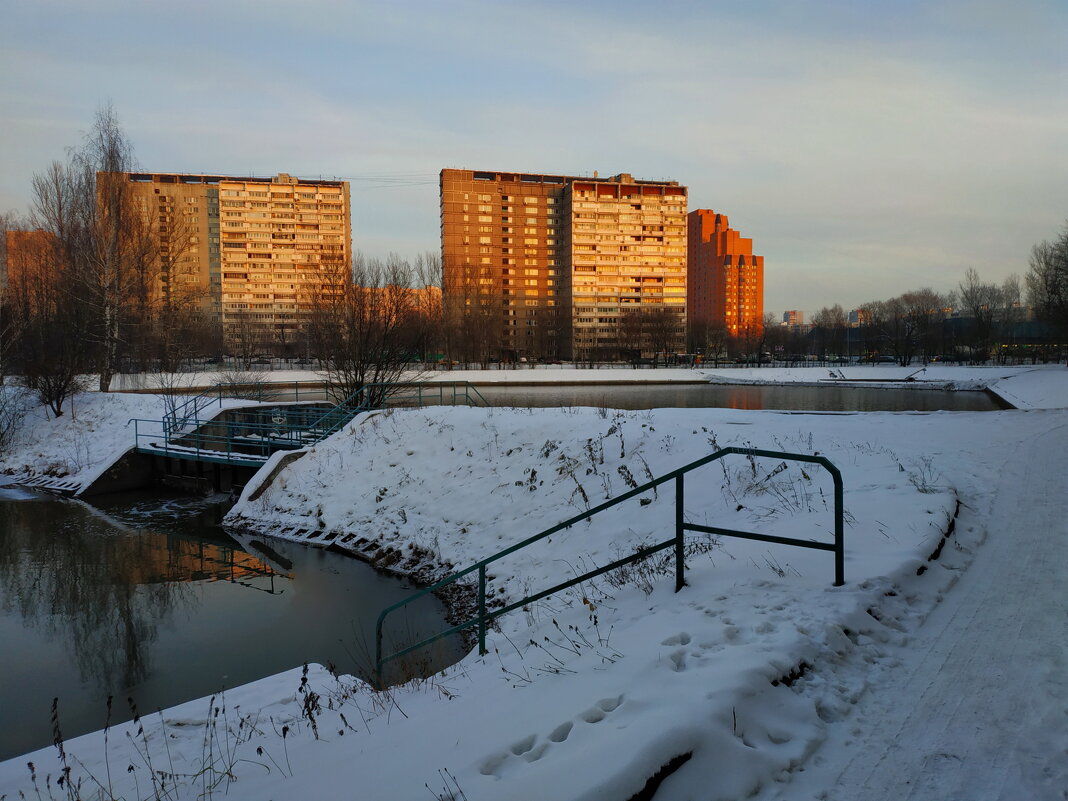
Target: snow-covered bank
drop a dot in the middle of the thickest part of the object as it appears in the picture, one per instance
(72, 451)
(587, 695)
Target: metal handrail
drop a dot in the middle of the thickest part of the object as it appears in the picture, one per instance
(268, 436)
(177, 417)
(486, 616)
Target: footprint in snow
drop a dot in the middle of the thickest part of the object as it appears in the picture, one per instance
(678, 660)
(561, 732)
(530, 750)
(492, 764)
(682, 638)
(524, 745)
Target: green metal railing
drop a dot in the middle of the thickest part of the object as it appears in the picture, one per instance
(378, 395)
(248, 436)
(486, 616)
(187, 413)
(230, 442)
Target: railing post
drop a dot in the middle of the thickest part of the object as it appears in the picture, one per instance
(378, 654)
(680, 566)
(481, 609)
(839, 533)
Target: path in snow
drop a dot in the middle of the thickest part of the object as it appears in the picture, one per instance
(975, 705)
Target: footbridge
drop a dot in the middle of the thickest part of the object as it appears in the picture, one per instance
(248, 436)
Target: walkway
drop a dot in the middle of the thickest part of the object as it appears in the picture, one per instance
(974, 707)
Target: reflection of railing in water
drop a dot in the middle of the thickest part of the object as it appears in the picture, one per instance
(188, 560)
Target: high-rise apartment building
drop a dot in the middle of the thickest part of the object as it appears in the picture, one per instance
(254, 251)
(547, 265)
(725, 281)
(26, 257)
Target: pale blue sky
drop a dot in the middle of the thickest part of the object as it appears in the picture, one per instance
(868, 148)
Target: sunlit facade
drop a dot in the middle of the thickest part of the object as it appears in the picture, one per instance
(553, 262)
(28, 259)
(254, 250)
(725, 280)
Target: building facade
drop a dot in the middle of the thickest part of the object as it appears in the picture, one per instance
(725, 281)
(27, 258)
(561, 266)
(254, 252)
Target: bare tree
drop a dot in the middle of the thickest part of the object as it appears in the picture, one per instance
(982, 303)
(119, 244)
(665, 331)
(103, 240)
(925, 314)
(10, 321)
(428, 332)
(708, 338)
(631, 335)
(752, 338)
(358, 322)
(243, 337)
(828, 330)
(49, 352)
(1047, 283)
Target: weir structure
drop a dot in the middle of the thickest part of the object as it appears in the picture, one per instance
(214, 446)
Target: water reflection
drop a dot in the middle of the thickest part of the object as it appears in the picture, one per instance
(100, 593)
(735, 396)
(148, 598)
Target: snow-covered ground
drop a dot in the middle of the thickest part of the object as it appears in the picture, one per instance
(758, 677)
(70, 452)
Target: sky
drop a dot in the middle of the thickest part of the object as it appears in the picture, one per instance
(868, 148)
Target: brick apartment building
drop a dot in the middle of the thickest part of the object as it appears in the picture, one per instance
(726, 281)
(556, 265)
(253, 250)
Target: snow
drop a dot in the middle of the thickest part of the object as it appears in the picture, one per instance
(943, 677)
(96, 429)
(91, 435)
